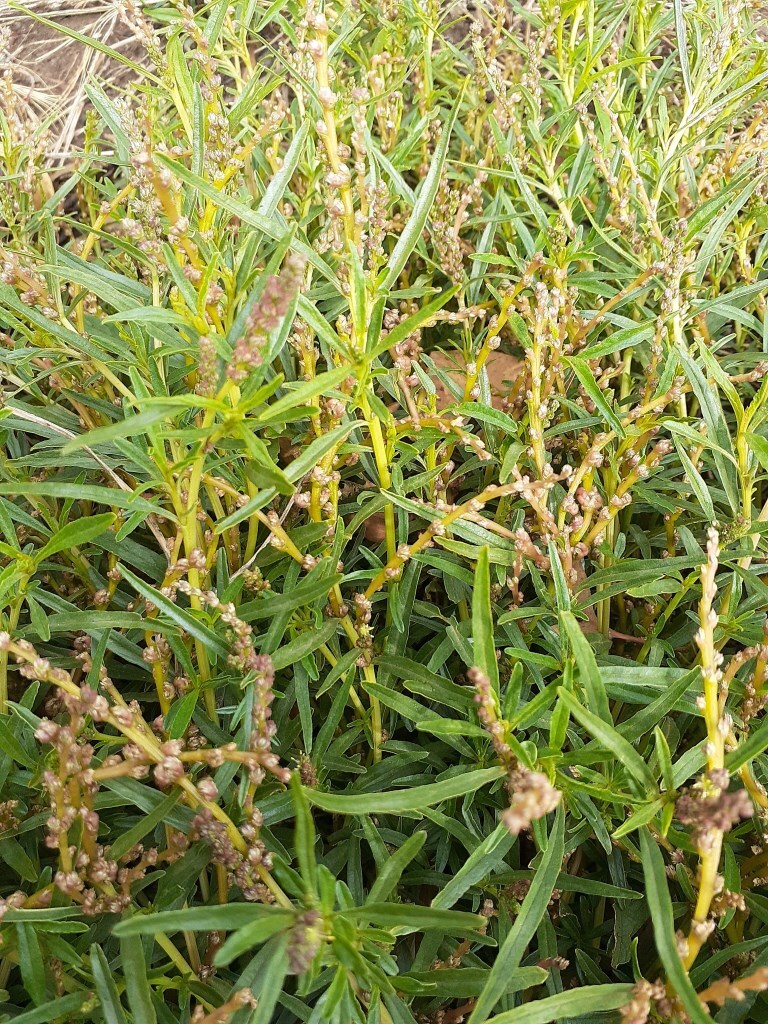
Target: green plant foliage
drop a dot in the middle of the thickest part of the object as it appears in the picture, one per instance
(383, 520)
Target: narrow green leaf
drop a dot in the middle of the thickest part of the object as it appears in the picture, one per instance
(411, 918)
(82, 492)
(31, 963)
(532, 911)
(196, 919)
(410, 235)
(179, 715)
(57, 1009)
(562, 595)
(662, 918)
(758, 445)
(389, 875)
(639, 818)
(186, 620)
(613, 741)
(696, 483)
(484, 647)
(127, 840)
(303, 645)
(76, 533)
(301, 395)
(465, 982)
(480, 864)
(131, 426)
(405, 800)
(754, 745)
(587, 381)
(413, 323)
(268, 982)
(9, 744)
(682, 47)
(617, 341)
(106, 989)
(586, 665)
(136, 982)
(253, 934)
(281, 181)
(568, 1005)
(304, 834)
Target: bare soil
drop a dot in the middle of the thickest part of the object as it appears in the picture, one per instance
(502, 370)
(50, 70)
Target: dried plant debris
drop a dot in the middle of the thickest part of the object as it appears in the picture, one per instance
(51, 68)
(383, 513)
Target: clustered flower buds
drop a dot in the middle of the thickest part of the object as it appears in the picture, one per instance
(266, 315)
(725, 988)
(532, 795)
(226, 1012)
(243, 861)
(15, 901)
(89, 873)
(645, 995)
(305, 940)
(258, 671)
(709, 807)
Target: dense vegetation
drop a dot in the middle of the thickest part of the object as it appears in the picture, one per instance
(383, 521)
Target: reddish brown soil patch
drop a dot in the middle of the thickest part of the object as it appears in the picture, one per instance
(502, 369)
